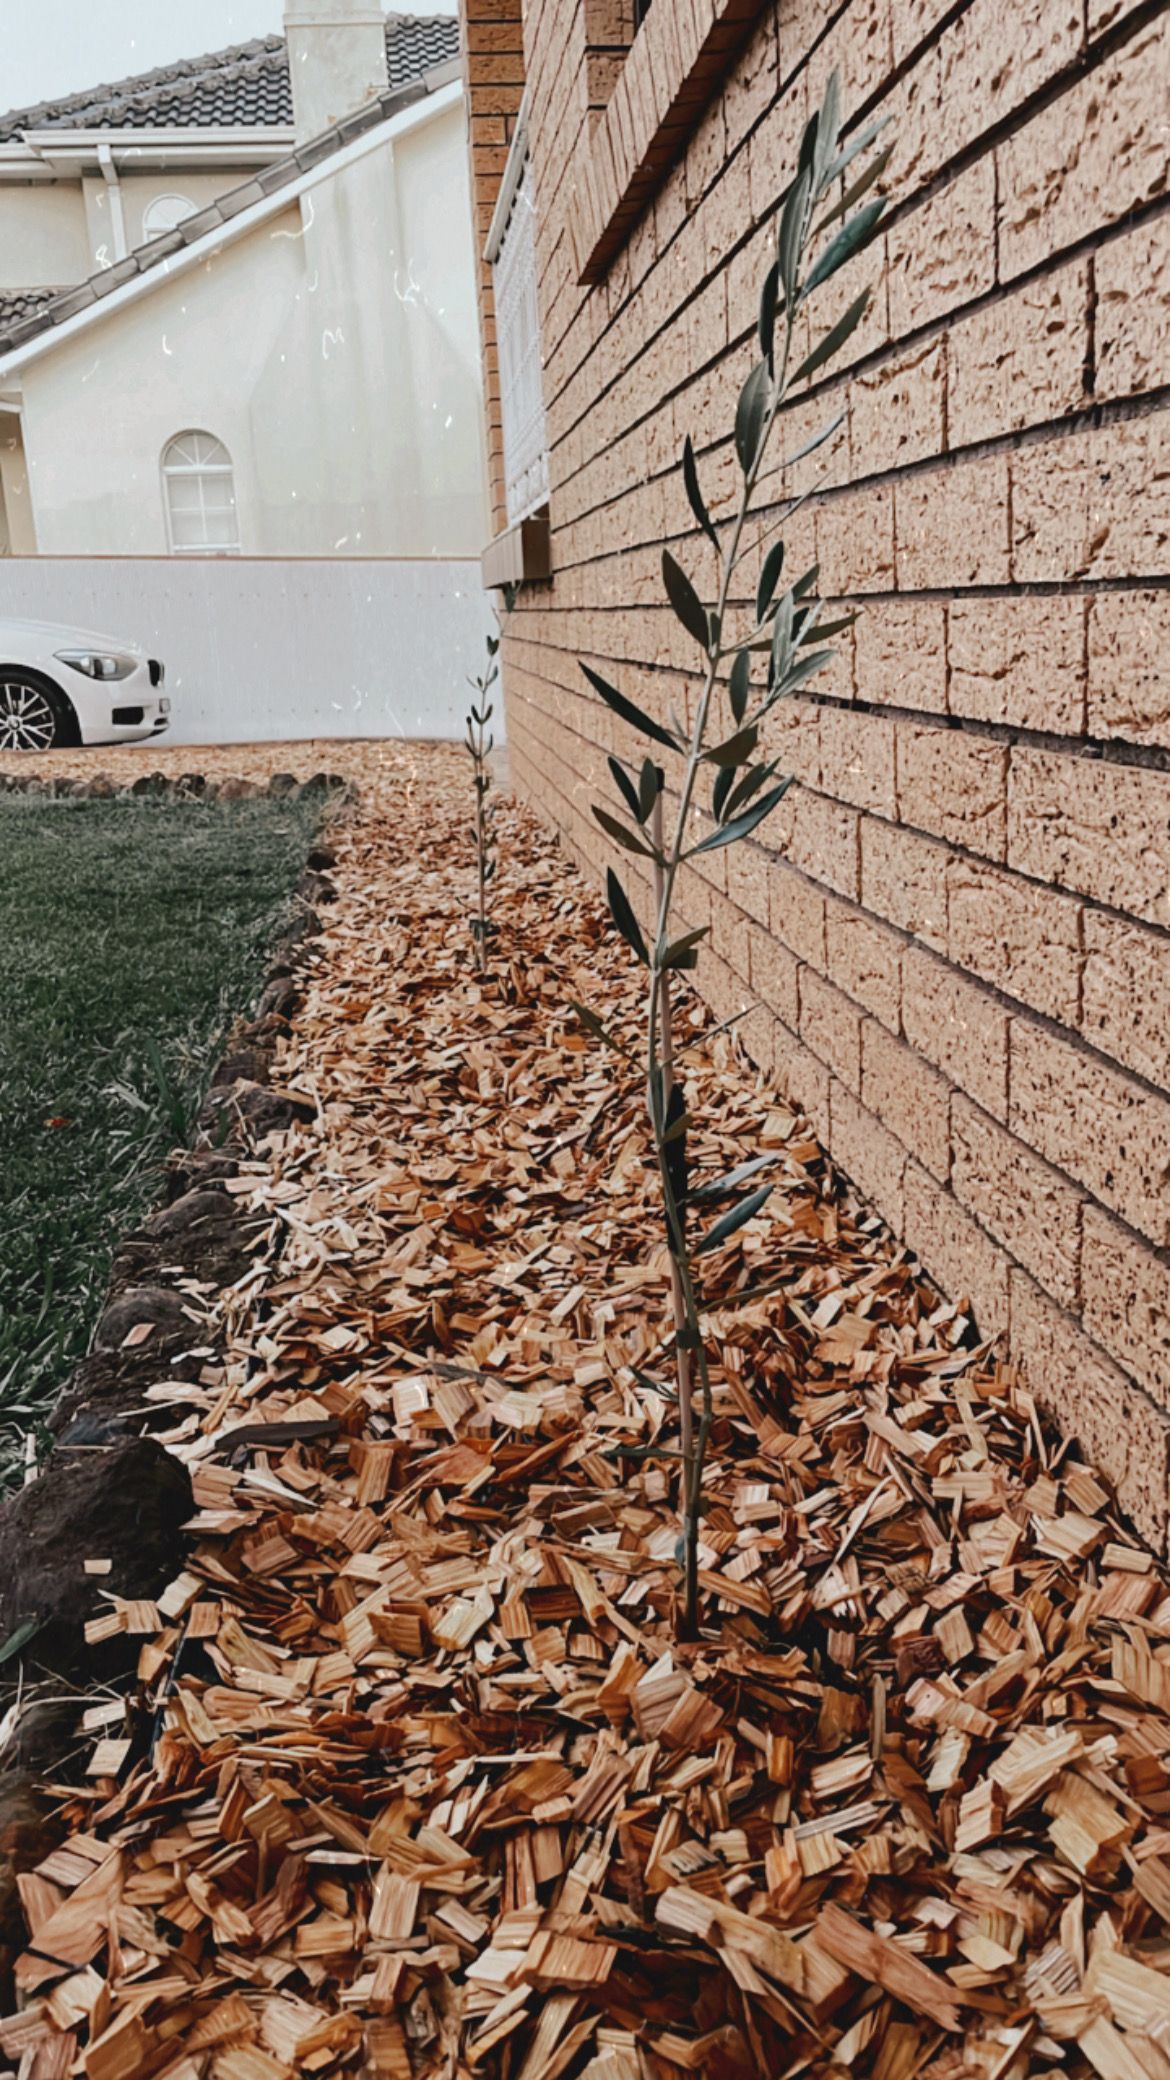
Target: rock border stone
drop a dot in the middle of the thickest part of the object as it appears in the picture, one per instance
(160, 786)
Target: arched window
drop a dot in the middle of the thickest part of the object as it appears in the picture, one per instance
(200, 489)
(164, 213)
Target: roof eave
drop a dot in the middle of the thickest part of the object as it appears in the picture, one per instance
(446, 92)
(74, 151)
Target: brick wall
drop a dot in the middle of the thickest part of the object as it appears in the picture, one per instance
(958, 930)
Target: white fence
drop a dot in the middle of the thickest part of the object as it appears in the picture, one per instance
(263, 651)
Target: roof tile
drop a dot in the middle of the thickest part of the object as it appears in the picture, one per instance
(246, 86)
(67, 306)
(158, 249)
(19, 307)
(195, 227)
(238, 199)
(111, 278)
(24, 328)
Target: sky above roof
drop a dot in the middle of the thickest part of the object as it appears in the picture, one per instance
(65, 46)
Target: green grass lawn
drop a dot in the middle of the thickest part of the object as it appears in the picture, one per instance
(132, 933)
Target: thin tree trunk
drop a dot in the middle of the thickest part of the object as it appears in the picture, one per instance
(480, 846)
(683, 1355)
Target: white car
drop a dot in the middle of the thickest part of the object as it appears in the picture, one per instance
(63, 686)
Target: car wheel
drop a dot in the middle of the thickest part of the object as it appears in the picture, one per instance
(33, 715)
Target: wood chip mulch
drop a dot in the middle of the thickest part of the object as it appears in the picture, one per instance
(420, 1782)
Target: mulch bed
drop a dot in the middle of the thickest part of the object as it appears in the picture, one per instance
(418, 1780)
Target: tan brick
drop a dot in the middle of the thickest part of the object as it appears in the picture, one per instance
(1023, 939)
(753, 84)
(791, 734)
(942, 254)
(1127, 1301)
(1100, 14)
(756, 1032)
(801, 1078)
(829, 303)
(1133, 310)
(709, 868)
(1019, 662)
(993, 58)
(692, 904)
(824, 841)
(952, 525)
(707, 157)
(912, 108)
(871, 1157)
(897, 410)
(900, 657)
(834, 679)
(809, 418)
(1129, 667)
(1093, 504)
(729, 933)
(1089, 157)
(855, 541)
(1023, 1202)
(1126, 1008)
(1092, 826)
(774, 146)
(746, 867)
(1021, 361)
(913, 22)
(859, 47)
(904, 879)
(831, 1026)
(773, 976)
(728, 996)
(1118, 1427)
(957, 1026)
(1091, 1120)
(865, 960)
(857, 759)
(910, 1099)
(961, 1259)
(796, 912)
(954, 785)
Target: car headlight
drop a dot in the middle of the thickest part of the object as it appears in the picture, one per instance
(97, 664)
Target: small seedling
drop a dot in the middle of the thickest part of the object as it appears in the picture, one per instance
(822, 220)
(480, 744)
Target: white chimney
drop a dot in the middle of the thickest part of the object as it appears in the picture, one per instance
(337, 60)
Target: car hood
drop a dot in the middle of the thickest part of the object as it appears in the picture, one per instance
(64, 636)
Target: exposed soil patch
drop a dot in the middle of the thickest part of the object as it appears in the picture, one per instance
(101, 1516)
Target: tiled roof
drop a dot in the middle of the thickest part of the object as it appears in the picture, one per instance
(281, 174)
(246, 85)
(18, 304)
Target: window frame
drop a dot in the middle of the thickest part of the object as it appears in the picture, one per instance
(199, 472)
(511, 254)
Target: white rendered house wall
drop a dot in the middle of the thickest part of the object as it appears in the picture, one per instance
(332, 349)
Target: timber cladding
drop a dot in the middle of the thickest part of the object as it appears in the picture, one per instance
(958, 929)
